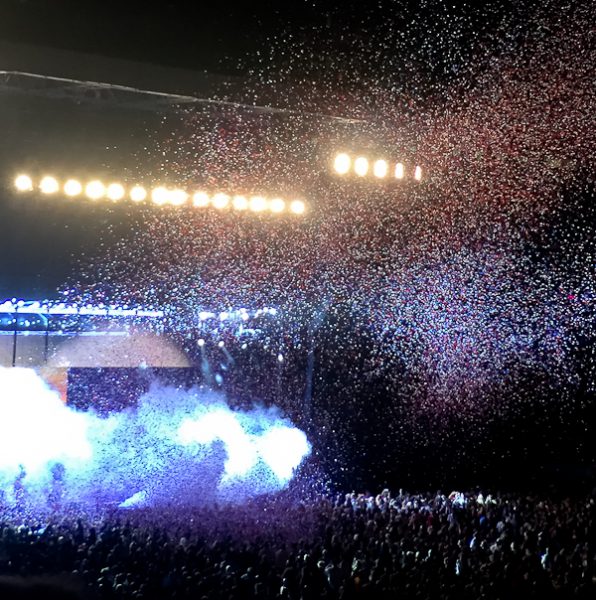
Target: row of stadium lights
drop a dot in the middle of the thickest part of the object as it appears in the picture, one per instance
(160, 196)
(343, 164)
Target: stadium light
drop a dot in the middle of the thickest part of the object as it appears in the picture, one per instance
(399, 171)
(23, 183)
(160, 196)
(361, 166)
(220, 201)
(240, 202)
(49, 185)
(380, 168)
(258, 204)
(138, 193)
(200, 200)
(297, 207)
(178, 197)
(342, 163)
(73, 187)
(418, 173)
(277, 205)
(95, 190)
(115, 191)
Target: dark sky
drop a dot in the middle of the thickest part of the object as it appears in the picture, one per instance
(215, 36)
(193, 34)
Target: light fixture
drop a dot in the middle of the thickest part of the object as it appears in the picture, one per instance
(277, 205)
(342, 163)
(220, 201)
(399, 171)
(95, 190)
(361, 166)
(115, 191)
(138, 193)
(49, 185)
(258, 203)
(73, 187)
(418, 173)
(200, 199)
(297, 207)
(240, 202)
(380, 168)
(178, 197)
(23, 183)
(160, 196)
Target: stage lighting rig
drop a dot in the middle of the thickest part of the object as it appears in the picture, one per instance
(344, 165)
(161, 195)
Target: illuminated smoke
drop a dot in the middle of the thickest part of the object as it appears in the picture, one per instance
(181, 447)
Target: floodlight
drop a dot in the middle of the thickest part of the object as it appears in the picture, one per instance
(342, 163)
(418, 173)
(73, 187)
(399, 171)
(277, 205)
(178, 197)
(297, 207)
(160, 195)
(380, 168)
(361, 166)
(201, 343)
(49, 185)
(95, 190)
(200, 199)
(240, 202)
(138, 193)
(258, 203)
(115, 191)
(220, 201)
(23, 183)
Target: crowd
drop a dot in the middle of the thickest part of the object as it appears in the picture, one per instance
(407, 546)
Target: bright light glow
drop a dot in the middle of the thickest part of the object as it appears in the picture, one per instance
(167, 443)
(221, 344)
(240, 202)
(283, 449)
(52, 432)
(201, 343)
(297, 207)
(95, 190)
(361, 166)
(342, 163)
(418, 173)
(277, 205)
(280, 357)
(115, 191)
(200, 200)
(138, 193)
(399, 171)
(380, 168)
(220, 201)
(178, 197)
(49, 185)
(73, 187)
(160, 196)
(258, 203)
(23, 183)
